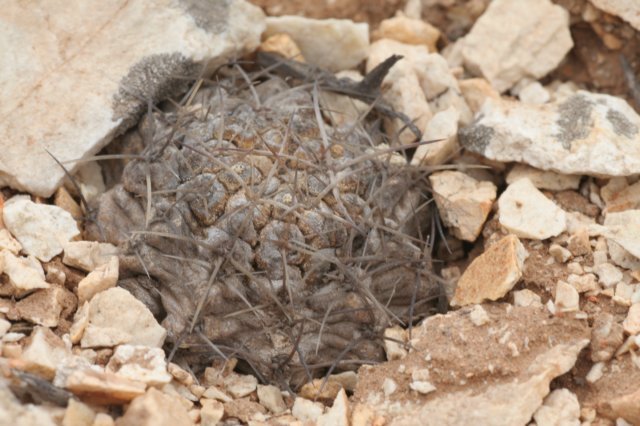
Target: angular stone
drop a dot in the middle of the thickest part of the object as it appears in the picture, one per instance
(631, 323)
(180, 374)
(335, 44)
(476, 91)
(43, 307)
(629, 10)
(80, 321)
(140, 363)
(211, 413)
(442, 130)
(463, 202)
(43, 352)
(534, 93)
(560, 407)
(116, 317)
(155, 408)
(88, 255)
(25, 273)
(338, 414)
(608, 274)
(239, 385)
(543, 179)
(395, 339)
(213, 392)
(102, 388)
(526, 298)
(4, 326)
(306, 411)
(15, 413)
(283, 45)
(102, 278)
(271, 397)
(607, 336)
(567, 298)
(78, 414)
(532, 44)
(41, 229)
(623, 228)
(625, 407)
(320, 390)
(492, 274)
(146, 63)
(409, 31)
(245, 410)
(586, 133)
(7, 242)
(65, 201)
(343, 110)
(526, 212)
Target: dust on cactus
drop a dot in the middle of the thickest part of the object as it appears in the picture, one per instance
(257, 230)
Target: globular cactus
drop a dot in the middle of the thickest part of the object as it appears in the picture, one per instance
(254, 229)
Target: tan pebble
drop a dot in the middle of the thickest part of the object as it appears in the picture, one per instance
(180, 374)
(155, 408)
(631, 323)
(284, 45)
(406, 30)
(338, 414)
(271, 397)
(479, 316)
(567, 298)
(103, 419)
(65, 201)
(213, 392)
(394, 343)
(305, 410)
(559, 253)
(78, 414)
(526, 297)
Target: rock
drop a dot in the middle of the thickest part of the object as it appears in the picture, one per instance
(80, 321)
(89, 179)
(271, 397)
(560, 407)
(620, 198)
(155, 408)
(88, 255)
(389, 386)
(65, 201)
(395, 339)
(527, 213)
(534, 93)
(579, 244)
(146, 63)
(43, 352)
(543, 179)
(15, 413)
(463, 202)
(531, 45)
(25, 273)
(631, 323)
(492, 274)
(7, 242)
(567, 298)
(608, 274)
(102, 388)
(41, 229)
(479, 316)
(526, 298)
(180, 374)
(335, 44)
(78, 414)
(283, 45)
(476, 91)
(586, 133)
(245, 410)
(342, 110)
(240, 386)
(409, 31)
(43, 307)
(4, 326)
(116, 317)
(103, 419)
(306, 411)
(213, 392)
(102, 278)
(140, 363)
(320, 390)
(442, 133)
(606, 337)
(595, 372)
(623, 228)
(559, 253)
(338, 414)
(211, 413)
(629, 10)
(625, 407)
(583, 283)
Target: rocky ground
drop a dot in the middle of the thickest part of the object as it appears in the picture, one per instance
(531, 110)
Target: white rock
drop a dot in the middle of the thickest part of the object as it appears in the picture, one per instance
(102, 278)
(476, 91)
(43, 307)
(88, 255)
(335, 44)
(7, 242)
(560, 407)
(80, 321)
(567, 298)
(595, 373)
(89, 179)
(526, 212)
(407, 30)
(423, 387)
(624, 293)
(463, 202)
(155, 408)
(629, 10)
(41, 229)
(624, 229)
(543, 179)
(140, 363)
(534, 93)
(25, 273)
(587, 133)
(479, 316)
(271, 398)
(338, 414)
(240, 386)
(53, 49)
(583, 283)
(394, 343)
(389, 386)
(559, 253)
(622, 257)
(44, 351)
(211, 413)
(16, 413)
(4, 326)
(608, 274)
(514, 40)
(442, 129)
(631, 323)
(305, 410)
(526, 297)
(116, 317)
(78, 414)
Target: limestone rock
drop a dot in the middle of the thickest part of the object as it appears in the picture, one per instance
(7, 242)
(607, 336)
(271, 397)
(4, 327)
(140, 363)
(335, 44)
(625, 407)
(608, 274)
(116, 317)
(25, 273)
(41, 229)
(102, 278)
(526, 298)
(43, 307)
(53, 49)
(78, 414)
(88, 255)
(586, 133)
(514, 40)
(305, 410)
(283, 45)
(463, 202)
(534, 93)
(492, 274)
(629, 10)
(624, 229)
(43, 352)
(543, 179)
(631, 323)
(338, 414)
(560, 407)
(211, 413)
(394, 343)
(476, 91)
(343, 110)
(99, 387)
(15, 413)
(245, 410)
(567, 298)
(240, 386)
(409, 31)
(442, 129)
(155, 408)
(527, 213)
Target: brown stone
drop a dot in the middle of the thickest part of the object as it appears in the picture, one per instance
(155, 408)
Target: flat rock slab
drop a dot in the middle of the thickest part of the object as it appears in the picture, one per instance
(586, 133)
(75, 75)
